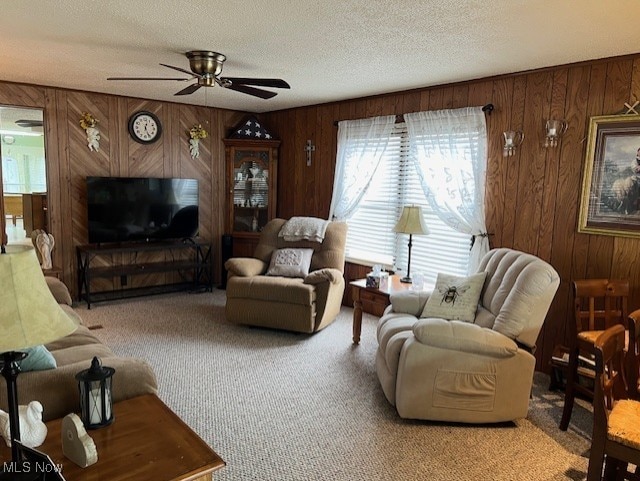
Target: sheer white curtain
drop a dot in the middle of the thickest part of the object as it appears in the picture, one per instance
(361, 145)
(449, 150)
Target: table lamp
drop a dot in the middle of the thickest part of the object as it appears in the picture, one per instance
(411, 222)
(29, 316)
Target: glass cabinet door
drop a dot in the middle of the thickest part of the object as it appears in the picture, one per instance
(251, 181)
(250, 191)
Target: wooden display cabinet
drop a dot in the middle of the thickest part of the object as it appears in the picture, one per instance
(251, 190)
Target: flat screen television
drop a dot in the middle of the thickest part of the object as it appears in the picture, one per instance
(141, 209)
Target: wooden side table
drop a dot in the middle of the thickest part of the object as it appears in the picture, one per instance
(375, 300)
(146, 441)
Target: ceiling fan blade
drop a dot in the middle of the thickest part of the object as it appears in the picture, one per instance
(151, 78)
(29, 123)
(188, 90)
(260, 82)
(245, 89)
(188, 72)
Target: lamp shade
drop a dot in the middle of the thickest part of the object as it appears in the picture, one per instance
(29, 314)
(411, 221)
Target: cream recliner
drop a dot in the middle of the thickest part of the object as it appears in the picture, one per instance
(472, 372)
(294, 304)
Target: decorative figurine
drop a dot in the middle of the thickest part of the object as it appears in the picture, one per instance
(32, 430)
(88, 122)
(196, 133)
(93, 139)
(45, 243)
(194, 148)
(77, 445)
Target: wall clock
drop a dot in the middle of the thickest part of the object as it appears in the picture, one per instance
(145, 127)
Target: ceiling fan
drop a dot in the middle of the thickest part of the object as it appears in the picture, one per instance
(206, 67)
(29, 123)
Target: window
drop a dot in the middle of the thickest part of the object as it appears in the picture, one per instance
(371, 239)
(24, 176)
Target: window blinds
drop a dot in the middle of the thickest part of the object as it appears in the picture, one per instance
(371, 239)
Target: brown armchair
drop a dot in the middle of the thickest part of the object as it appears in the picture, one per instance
(291, 303)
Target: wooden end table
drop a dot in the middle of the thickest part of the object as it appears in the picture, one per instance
(146, 441)
(375, 300)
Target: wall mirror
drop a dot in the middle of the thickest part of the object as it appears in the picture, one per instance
(24, 172)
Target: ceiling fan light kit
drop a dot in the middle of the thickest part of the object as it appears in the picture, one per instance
(201, 61)
(206, 67)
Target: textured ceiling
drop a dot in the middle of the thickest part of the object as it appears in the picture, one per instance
(327, 51)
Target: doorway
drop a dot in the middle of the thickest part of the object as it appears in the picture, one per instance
(24, 173)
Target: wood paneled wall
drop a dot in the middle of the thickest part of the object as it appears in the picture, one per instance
(532, 199)
(69, 160)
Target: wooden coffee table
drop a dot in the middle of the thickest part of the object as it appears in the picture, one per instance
(376, 300)
(146, 441)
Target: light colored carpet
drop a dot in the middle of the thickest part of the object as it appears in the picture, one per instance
(279, 406)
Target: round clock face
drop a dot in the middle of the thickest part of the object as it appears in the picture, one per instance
(144, 127)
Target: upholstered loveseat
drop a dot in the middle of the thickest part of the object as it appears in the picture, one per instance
(475, 372)
(302, 304)
(57, 389)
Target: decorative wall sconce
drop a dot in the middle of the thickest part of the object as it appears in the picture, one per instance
(512, 140)
(88, 122)
(196, 133)
(554, 129)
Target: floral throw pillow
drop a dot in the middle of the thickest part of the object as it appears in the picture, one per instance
(455, 298)
(290, 262)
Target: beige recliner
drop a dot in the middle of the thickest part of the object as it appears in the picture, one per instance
(472, 372)
(295, 304)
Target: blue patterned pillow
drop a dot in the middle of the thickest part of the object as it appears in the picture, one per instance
(38, 359)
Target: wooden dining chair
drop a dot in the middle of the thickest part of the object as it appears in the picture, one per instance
(632, 364)
(616, 420)
(598, 305)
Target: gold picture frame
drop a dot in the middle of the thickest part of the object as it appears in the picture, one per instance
(610, 200)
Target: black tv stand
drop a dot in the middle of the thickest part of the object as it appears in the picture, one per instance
(189, 261)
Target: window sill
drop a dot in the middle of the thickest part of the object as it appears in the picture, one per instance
(368, 263)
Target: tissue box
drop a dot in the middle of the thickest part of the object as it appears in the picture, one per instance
(378, 280)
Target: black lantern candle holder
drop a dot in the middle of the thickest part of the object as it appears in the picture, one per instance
(96, 401)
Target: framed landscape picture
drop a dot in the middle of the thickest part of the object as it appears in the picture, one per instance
(610, 201)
